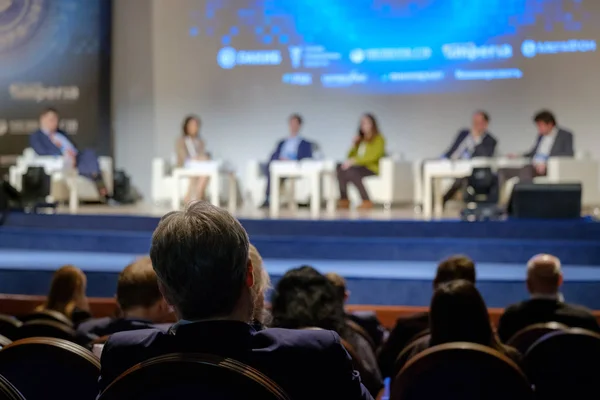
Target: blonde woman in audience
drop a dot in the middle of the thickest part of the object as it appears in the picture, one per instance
(262, 283)
(67, 294)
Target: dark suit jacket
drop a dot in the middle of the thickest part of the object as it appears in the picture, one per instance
(562, 147)
(87, 160)
(534, 311)
(306, 364)
(107, 326)
(305, 150)
(406, 328)
(485, 148)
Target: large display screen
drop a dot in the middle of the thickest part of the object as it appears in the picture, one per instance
(393, 46)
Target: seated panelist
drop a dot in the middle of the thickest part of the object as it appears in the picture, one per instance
(190, 147)
(293, 148)
(49, 140)
(552, 141)
(471, 143)
(367, 149)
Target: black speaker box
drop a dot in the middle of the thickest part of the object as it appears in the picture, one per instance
(546, 201)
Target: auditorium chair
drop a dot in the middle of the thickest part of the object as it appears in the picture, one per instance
(50, 315)
(410, 351)
(526, 337)
(53, 165)
(362, 332)
(9, 326)
(393, 185)
(564, 364)
(180, 376)
(8, 391)
(47, 368)
(462, 371)
(46, 328)
(4, 341)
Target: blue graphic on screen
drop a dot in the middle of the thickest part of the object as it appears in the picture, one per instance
(381, 46)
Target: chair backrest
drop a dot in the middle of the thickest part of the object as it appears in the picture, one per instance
(4, 341)
(9, 326)
(45, 328)
(192, 376)
(48, 315)
(47, 368)
(461, 371)
(8, 391)
(526, 337)
(564, 364)
(409, 351)
(362, 332)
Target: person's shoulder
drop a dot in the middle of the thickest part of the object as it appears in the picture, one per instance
(577, 310)
(516, 307)
(306, 339)
(565, 132)
(413, 318)
(135, 338)
(490, 137)
(92, 324)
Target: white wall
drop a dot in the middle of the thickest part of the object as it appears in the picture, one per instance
(160, 75)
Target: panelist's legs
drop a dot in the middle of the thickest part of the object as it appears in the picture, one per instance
(354, 175)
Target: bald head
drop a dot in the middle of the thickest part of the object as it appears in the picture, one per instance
(544, 275)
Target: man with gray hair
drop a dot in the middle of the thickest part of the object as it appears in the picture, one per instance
(201, 257)
(544, 278)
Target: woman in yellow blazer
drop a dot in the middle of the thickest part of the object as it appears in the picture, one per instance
(363, 160)
(190, 147)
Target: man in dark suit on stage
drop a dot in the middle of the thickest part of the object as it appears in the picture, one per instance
(140, 302)
(406, 328)
(293, 148)
(546, 304)
(471, 143)
(49, 140)
(552, 141)
(201, 258)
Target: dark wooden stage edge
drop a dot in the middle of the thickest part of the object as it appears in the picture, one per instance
(103, 307)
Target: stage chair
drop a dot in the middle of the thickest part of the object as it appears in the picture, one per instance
(8, 391)
(393, 186)
(526, 337)
(564, 364)
(461, 371)
(53, 165)
(184, 375)
(46, 368)
(9, 326)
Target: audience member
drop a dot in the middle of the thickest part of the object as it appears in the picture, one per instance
(544, 278)
(67, 294)
(304, 298)
(204, 271)
(365, 319)
(140, 301)
(459, 314)
(262, 282)
(406, 328)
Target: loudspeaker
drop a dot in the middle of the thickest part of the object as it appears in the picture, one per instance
(546, 201)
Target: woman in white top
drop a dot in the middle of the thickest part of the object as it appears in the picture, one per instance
(190, 147)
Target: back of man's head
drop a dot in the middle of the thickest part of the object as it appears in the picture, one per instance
(200, 255)
(340, 284)
(544, 275)
(454, 268)
(137, 286)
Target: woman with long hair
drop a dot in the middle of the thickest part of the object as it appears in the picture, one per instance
(67, 294)
(190, 147)
(367, 149)
(458, 314)
(305, 299)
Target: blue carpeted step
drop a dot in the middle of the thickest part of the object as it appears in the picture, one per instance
(331, 248)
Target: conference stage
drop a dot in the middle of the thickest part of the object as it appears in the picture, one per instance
(388, 256)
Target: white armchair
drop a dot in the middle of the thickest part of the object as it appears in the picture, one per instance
(54, 166)
(575, 170)
(393, 185)
(256, 185)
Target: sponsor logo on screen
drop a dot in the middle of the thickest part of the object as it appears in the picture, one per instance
(358, 56)
(229, 57)
(296, 55)
(344, 80)
(487, 74)
(39, 93)
(472, 52)
(299, 79)
(414, 76)
(531, 48)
